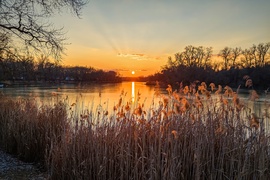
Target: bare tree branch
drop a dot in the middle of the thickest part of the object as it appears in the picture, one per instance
(26, 20)
(225, 53)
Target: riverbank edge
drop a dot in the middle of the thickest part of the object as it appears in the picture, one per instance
(12, 168)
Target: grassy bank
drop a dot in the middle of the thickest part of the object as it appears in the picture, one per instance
(189, 134)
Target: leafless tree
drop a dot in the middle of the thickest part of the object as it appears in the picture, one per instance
(171, 64)
(194, 56)
(207, 56)
(26, 22)
(247, 60)
(253, 54)
(179, 59)
(262, 51)
(256, 55)
(225, 53)
(4, 42)
(235, 53)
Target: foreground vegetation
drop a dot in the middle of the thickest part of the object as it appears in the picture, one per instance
(196, 132)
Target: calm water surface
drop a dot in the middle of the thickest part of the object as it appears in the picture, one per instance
(105, 94)
(98, 97)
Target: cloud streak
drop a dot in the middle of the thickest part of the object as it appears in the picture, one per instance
(128, 70)
(138, 57)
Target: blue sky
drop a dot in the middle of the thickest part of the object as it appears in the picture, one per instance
(126, 35)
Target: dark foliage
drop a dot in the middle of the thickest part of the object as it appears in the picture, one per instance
(232, 77)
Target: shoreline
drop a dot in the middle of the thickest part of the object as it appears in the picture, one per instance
(12, 168)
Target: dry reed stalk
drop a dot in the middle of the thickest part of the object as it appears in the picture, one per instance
(186, 137)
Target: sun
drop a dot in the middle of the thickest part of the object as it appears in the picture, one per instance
(132, 72)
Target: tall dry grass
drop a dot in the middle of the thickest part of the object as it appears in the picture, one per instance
(30, 130)
(198, 132)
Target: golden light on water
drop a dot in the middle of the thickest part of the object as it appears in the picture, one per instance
(133, 91)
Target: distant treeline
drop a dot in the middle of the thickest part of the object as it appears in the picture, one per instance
(26, 68)
(193, 64)
(233, 77)
(199, 64)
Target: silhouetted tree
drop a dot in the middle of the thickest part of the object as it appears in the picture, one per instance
(194, 56)
(235, 53)
(45, 69)
(170, 64)
(25, 67)
(247, 60)
(253, 54)
(4, 43)
(26, 21)
(9, 66)
(225, 53)
(207, 57)
(262, 51)
(188, 66)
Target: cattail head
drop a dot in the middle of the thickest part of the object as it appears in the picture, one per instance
(249, 83)
(185, 104)
(236, 99)
(228, 91)
(225, 101)
(138, 110)
(219, 89)
(177, 108)
(254, 122)
(176, 96)
(175, 134)
(253, 95)
(165, 101)
(213, 86)
(115, 108)
(127, 108)
(207, 93)
(201, 88)
(120, 102)
(186, 90)
(204, 85)
(169, 89)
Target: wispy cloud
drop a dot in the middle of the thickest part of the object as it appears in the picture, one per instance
(139, 57)
(126, 70)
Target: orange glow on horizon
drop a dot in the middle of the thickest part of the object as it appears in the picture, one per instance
(105, 38)
(125, 65)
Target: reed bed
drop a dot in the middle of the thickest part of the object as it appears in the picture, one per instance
(197, 132)
(28, 129)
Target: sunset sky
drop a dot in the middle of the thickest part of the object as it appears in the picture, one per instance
(140, 35)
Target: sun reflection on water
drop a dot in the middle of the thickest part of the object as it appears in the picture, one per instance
(133, 91)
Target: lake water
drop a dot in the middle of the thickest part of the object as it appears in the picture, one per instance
(92, 95)
(107, 95)
(102, 97)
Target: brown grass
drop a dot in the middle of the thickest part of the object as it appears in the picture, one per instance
(187, 135)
